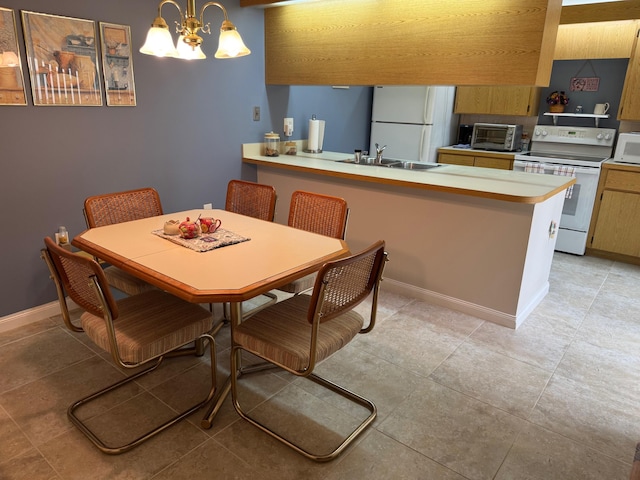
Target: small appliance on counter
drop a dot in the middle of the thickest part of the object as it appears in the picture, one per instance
(628, 148)
(465, 132)
(496, 136)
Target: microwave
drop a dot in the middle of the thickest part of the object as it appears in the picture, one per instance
(628, 148)
(496, 136)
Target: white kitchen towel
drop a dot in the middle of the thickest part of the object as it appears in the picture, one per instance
(566, 171)
(534, 167)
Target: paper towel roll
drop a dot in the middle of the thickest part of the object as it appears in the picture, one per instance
(314, 135)
(320, 135)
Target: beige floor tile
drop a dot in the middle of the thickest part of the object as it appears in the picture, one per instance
(26, 330)
(376, 379)
(457, 431)
(13, 442)
(33, 357)
(209, 460)
(493, 378)
(604, 368)
(378, 457)
(590, 415)
(418, 338)
(273, 459)
(540, 341)
(28, 466)
(40, 407)
(539, 454)
(615, 329)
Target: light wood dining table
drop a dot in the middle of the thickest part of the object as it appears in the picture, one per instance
(273, 256)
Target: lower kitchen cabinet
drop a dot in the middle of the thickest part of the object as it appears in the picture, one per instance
(471, 158)
(615, 225)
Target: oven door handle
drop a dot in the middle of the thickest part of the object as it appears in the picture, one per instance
(549, 167)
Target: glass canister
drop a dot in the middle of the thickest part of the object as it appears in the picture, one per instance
(290, 148)
(271, 144)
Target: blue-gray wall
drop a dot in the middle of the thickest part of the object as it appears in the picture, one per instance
(611, 73)
(183, 137)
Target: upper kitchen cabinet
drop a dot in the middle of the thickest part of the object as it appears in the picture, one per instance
(630, 101)
(596, 40)
(411, 42)
(502, 100)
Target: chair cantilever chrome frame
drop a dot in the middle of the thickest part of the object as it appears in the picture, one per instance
(136, 330)
(297, 333)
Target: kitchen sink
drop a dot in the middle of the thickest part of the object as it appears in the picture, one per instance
(391, 163)
(414, 165)
(385, 162)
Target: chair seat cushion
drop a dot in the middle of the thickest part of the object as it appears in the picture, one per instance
(126, 282)
(282, 333)
(299, 285)
(149, 325)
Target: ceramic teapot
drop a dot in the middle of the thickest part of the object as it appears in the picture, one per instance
(189, 229)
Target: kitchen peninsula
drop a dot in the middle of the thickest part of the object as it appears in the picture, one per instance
(476, 240)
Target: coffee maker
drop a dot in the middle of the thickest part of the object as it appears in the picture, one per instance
(464, 134)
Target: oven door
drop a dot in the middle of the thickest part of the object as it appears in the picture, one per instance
(578, 204)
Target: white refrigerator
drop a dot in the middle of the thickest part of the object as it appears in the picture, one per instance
(412, 121)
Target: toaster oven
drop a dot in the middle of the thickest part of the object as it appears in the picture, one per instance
(496, 136)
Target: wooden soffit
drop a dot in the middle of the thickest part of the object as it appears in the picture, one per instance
(601, 12)
(432, 42)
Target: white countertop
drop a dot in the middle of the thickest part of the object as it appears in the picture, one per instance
(498, 184)
(491, 153)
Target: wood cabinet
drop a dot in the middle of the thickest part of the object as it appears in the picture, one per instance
(605, 40)
(630, 101)
(615, 225)
(498, 100)
(473, 158)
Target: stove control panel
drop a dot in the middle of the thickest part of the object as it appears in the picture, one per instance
(574, 135)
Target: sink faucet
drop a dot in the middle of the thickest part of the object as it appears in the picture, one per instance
(379, 151)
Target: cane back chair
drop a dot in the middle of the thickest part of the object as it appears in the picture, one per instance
(317, 213)
(253, 200)
(138, 330)
(301, 331)
(118, 207)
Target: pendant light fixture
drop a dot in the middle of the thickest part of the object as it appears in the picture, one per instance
(160, 43)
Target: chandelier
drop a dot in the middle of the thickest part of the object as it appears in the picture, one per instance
(160, 43)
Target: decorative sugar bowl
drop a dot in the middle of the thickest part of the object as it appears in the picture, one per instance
(172, 227)
(271, 144)
(189, 229)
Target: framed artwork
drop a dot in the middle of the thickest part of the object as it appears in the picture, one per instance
(62, 58)
(117, 64)
(12, 90)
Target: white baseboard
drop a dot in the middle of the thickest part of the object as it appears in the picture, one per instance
(484, 313)
(31, 315)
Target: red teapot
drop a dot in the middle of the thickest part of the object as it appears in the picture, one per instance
(189, 229)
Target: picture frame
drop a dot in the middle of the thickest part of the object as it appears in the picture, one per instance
(12, 89)
(117, 64)
(62, 57)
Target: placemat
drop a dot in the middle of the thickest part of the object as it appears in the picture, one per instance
(205, 242)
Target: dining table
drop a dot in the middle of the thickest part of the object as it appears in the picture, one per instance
(243, 259)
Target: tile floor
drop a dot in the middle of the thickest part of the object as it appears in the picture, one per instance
(458, 398)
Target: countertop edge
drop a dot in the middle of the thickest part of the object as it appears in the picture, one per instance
(275, 163)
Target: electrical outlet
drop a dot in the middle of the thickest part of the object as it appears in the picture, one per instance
(207, 206)
(256, 114)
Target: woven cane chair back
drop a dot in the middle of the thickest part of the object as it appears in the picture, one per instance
(251, 199)
(317, 213)
(121, 207)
